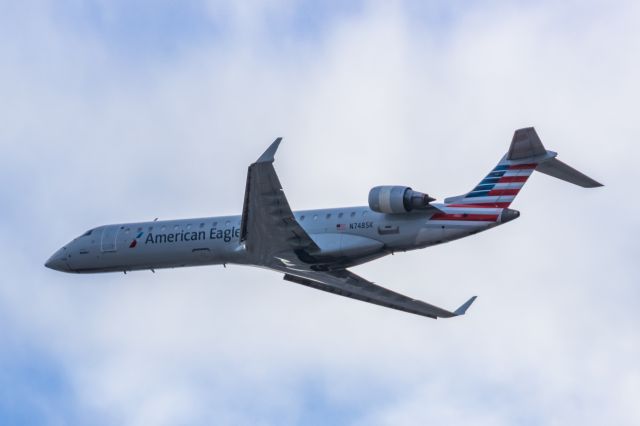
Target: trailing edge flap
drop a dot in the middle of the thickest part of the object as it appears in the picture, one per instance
(346, 283)
(268, 225)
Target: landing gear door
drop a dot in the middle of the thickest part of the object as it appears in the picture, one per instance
(109, 237)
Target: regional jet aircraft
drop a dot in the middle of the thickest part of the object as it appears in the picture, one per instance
(315, 248)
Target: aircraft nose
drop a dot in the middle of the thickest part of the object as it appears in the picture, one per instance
(58, 262)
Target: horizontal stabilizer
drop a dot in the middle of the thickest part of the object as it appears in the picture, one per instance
(525, 144)
(558, 169)
(462, 309)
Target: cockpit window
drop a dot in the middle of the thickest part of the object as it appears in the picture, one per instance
(87, 233)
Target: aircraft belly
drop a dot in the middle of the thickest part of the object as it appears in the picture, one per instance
(188, 254)
(436, 234)
(345, 245)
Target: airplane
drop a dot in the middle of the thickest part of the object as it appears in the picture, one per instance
(315, 248)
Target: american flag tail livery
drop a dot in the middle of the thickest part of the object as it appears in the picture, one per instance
(526, 154)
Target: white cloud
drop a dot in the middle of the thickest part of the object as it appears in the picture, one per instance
(91, 137)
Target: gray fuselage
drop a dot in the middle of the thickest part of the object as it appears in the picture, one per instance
(346, 236)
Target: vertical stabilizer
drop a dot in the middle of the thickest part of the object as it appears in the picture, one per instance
(503, 183)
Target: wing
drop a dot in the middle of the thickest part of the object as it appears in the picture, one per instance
(273, 238)
(346, 283)
(268, 225)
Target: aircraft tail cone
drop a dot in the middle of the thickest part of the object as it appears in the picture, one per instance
(508, 215)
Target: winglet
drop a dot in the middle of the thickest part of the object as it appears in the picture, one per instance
(268, 155)
(462, 309)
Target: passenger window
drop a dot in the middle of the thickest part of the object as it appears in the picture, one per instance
(302, 217)
(214, 224)
(202, 225)
(328, 215)
(315, 217)
(226, 223)
(340, 214)
(139, 228)
(189, 226)
(353, 214)
(162, 228)
(175, 227)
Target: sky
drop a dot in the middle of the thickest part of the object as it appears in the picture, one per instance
(118, 111)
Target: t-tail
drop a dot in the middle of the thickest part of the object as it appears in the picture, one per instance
(526, 154)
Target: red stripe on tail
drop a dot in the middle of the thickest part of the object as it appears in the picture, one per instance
(523, 166)
(512, 179)
(495, 192)
(483, 205)
(465, 217)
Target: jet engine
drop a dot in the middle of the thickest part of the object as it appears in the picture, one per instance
(397, 199)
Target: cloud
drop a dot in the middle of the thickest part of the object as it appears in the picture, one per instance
(105, 123)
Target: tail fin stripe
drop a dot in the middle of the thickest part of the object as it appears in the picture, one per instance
(504, 192)
(490, 199)
(523, 166)
(483, 187)
(483, 205)
(465, 217)
(489, 180)
(513, 179)
(524, 172)
(509, 185)
(477, 194)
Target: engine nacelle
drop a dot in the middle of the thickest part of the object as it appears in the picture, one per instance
(397, 199)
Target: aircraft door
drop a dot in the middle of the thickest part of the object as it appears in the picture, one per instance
(109, 236)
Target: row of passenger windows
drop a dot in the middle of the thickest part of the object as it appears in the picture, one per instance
(228, 223)
(177, 227)
(329, 215)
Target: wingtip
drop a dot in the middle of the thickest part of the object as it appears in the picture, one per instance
(269, 154)
(462, 309)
